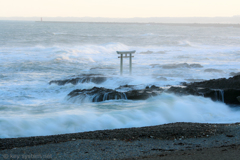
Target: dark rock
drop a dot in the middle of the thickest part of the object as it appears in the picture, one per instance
(194, 65)
(222, 83)
(225, 90)
(234, 74)
(85, 78)
(147, 52)
(97, 94)
(228, 96)
(101, 68)
(159, 77)
(126, 86)
(238, 98)
(181, 65)
(194, 80)
(212, 70)
(144, 93)
(101, 94)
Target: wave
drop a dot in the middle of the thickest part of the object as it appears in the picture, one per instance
(113, 114)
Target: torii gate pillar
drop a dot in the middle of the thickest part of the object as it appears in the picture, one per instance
(127, 54)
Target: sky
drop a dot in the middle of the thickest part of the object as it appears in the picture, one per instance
(119, 8)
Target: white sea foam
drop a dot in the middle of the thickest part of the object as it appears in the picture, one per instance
(117, 114)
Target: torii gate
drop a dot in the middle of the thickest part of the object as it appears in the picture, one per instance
(126, 56)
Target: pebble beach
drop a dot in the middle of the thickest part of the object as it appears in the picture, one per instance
(168, 141)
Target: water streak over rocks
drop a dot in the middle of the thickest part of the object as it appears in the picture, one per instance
(84, 78)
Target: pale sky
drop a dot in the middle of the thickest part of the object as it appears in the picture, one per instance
(119, 8)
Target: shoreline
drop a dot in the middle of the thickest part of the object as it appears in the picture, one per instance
(152, 142)
(165, 132)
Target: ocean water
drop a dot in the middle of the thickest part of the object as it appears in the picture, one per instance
(34, 53)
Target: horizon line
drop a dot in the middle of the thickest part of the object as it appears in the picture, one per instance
(234, 16)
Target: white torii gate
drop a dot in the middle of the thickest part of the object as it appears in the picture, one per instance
(126, 56)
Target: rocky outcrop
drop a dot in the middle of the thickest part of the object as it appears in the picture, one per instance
(225, 90)
(85, 78)
(176, 66)
(222, 83)
(238, 98)
(144, 93)
(97, 94)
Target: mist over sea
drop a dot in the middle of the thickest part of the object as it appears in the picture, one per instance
(34, 53)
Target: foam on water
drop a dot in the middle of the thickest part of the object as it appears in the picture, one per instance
(163, 109)
(32, 54)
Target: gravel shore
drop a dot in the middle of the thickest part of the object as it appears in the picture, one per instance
(169, 141)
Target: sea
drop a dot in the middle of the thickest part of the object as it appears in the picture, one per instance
(34, 53)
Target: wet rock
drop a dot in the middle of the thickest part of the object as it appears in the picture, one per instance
(224, 90)
(159, 77)
(222, 83)
(144, 93)
(101, 68)
(238, 98)
(228, 96)
(97, 94)
(181, 65)
(234, 74)
(194, 65)
(85, 78)
(126, 86)
(212, 70)
(194, 80)
(101, 94)
(147, 52)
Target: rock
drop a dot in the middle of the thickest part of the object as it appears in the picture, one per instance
(144, 93)
(212, 70)
(224, 90)
(101, 68)
(101, 94)
(194, 80)
(181, 65)
(228, 96)
(194, 65)
(238, 98)
(97, 94)
(222, 83)
(147, 52)
(85, 78)
(234, 74)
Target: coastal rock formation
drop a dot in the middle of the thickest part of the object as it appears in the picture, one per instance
(234, 74)
(225, 90)
(84, 78)
(144, 93)
(238, 98)
(222, 83)
(97, 94)
(176, 66)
